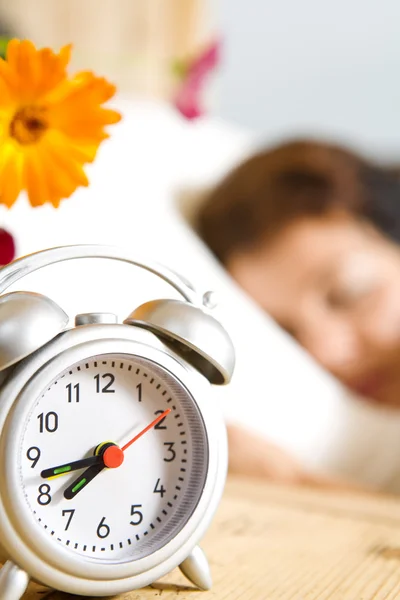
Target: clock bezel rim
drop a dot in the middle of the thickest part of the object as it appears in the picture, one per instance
(68, 348)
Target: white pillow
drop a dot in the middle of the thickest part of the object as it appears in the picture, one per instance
(277, 389)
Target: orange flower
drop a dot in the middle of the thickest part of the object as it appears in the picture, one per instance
(50, 126)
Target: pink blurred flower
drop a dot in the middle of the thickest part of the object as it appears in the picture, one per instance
(188, 98)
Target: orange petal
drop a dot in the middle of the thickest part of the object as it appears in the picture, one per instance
(35, 71)
(7, 75)
(84, 123)
(35, 178)
(63, 162)
(64, 56)
(44, 181)
(61, 174)
(28, 68)
(61, 184)
(40, 183)
(53, 68)
(6, 95)
(95, 116)
(80, 152)
(82, 133)
(11, 162)
(84, 88)
(12, 53)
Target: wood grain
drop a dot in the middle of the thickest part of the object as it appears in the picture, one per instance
(275, 543)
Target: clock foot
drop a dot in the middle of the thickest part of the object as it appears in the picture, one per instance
(13, 582)
(195, 567)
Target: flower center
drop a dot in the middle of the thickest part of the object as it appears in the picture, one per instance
(29, 124)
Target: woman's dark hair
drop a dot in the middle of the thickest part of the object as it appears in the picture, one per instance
(295, 179)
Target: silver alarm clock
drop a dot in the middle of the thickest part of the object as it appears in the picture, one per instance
(112, 456)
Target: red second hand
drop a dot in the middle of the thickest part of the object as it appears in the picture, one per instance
(113, 456)
(146, 429)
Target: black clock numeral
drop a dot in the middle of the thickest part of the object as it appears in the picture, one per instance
(159, 490)
(73, 392)
(106, 389)
(171, 451)
(44, 497)
(137, 514)
(160, 425)
(33, 454)
(103, 530)
(48, 422)
(71, 514)
(139, 389)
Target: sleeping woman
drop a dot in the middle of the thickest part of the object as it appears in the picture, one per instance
(311, 231)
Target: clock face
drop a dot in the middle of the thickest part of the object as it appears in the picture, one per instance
(113, 458)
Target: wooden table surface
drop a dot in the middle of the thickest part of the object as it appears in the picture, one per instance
(276, 543)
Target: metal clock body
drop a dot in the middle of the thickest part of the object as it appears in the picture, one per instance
(112, 456)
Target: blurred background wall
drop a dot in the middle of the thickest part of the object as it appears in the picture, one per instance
(313, 66)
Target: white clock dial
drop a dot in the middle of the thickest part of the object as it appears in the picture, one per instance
(132, 510)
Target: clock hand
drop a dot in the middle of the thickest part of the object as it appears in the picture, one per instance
(111, 456)
(72, 466)
(78, 464)
(98, 462)
(82, 481)
(146, 429)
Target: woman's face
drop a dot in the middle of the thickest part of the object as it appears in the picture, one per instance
(334, 284)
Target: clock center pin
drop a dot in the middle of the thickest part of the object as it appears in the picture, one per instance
(113, 457)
